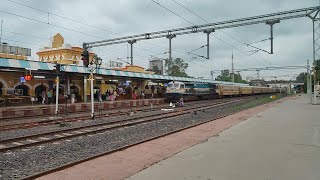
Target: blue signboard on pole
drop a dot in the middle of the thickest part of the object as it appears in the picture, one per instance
(22, 79)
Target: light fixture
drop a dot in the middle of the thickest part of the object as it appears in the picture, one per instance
(39, 77)
(31, 69)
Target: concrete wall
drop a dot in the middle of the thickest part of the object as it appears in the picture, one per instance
(36, 110)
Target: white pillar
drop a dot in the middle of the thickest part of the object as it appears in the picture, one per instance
(68, 86)
(92, 96)
(85, 89)
(57, 95)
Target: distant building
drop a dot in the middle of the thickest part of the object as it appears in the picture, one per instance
(14, 52)
(61, 53)
(258, 82)
(156, 66)
(134, 68)
(115, 64)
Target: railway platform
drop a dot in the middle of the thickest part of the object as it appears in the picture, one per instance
(278, 140)
(280, 143)
(49, 110)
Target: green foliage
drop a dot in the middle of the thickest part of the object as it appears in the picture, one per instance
(156, 70)
(227, 76)
(317, 68)
(302, 78)
(176, 67)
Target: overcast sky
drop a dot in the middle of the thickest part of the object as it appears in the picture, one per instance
(115, 18)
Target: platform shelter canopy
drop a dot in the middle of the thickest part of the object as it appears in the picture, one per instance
(37, 65)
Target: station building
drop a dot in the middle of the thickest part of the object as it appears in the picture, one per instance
(128, 82)
(73, 76)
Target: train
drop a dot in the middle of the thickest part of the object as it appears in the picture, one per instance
(198, 91)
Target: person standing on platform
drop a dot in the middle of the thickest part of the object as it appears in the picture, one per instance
(107, 95)
(134, 95)
(114, 95)
(99, 95)
(73, 97)
(43, 96)
(49, 97)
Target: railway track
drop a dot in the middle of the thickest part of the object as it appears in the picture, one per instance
(34, 140)
(81, 118)
(64, 166)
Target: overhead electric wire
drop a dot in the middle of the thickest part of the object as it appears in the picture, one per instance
(259, 41)
(21, 42)
(69, 19)
(22, 34)
(36, 20)
(173, 12)
(47, 12)
(209, 22)
(215, 36)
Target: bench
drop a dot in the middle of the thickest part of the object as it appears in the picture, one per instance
(14, 100)
(2, 101)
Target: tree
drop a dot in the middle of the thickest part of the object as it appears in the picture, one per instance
(155, 69)
(302, 78)
(176, 67)
(317, 68)
(227, 76)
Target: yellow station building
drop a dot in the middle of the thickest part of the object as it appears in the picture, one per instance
(60, 53)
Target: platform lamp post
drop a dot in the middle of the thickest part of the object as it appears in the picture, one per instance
(211, 73)
(97, 61)
(57, 88)
(91, 93)
(314, 83)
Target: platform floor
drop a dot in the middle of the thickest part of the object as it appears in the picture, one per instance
(281, 143)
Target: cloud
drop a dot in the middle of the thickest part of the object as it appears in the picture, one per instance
(292, 43)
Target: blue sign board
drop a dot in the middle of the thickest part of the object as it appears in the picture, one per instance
(22, 79)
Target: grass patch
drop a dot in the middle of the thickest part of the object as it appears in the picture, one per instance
(255, 102)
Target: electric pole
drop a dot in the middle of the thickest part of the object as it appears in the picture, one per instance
(238, 76)
(1, 30)
(309, 90)
(258, 74)
(232, 68)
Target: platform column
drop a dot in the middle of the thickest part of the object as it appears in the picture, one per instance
(92, 95)
(68, 86)
(57, 95)
(85, 89)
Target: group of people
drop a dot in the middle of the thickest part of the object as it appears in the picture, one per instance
(111, 95)
(135, 94)
(45, 97)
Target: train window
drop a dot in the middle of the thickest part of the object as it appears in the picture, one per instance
(170, 85)
(176, 85)
(182, 86)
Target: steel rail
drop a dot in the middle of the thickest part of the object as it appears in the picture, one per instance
(71, 164)
(76, 118)
(100, 127)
